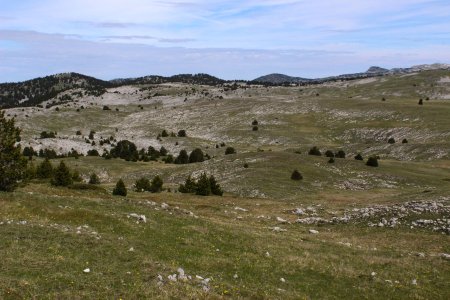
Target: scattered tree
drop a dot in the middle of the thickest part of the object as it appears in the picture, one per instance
(358, 156)
(372, 161)
(44, 169)
(196, 156)
(62, 176)
(230, 150)
(391, 140)
(142, 185)
(203, 186)
(340, 154)
(120, 189)
(93, 179)
(182, 133)
(329, 153)
(12, 163)
(331, 160)
(189, 186)
(182, 158)
(255, 128)
(156, 184)
(420, 102)
(314, 151)
(404, 141)
(296, 175)
(255, 123)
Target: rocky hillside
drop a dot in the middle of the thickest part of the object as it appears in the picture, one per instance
(34, 92)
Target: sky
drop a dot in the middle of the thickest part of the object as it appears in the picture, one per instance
(233, 39)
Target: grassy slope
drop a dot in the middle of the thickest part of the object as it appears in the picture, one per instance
(45, 257)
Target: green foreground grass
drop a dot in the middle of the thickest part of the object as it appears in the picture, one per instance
(45, 257)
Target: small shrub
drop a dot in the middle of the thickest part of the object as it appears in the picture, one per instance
(142, 185)
(314, 151)
(196, 156)
(255, 128)
(230, 150)
(189, 186)
(255, 123)
(164, 133)
(203, 186)
(76, 176)
(182, 133)
(246, 165)
(93, 152)
(329, 153)
(44, 170)
(156, 184)
(372, 161)
(182, 158)
(358, 156)
(215, 187)
(105, 107)
(93, 179)
(420, 102)
(331, 160)
(62, 176)
(296, 175)
(404, 141)
(340, 154)
(391, 140)
(120, 189)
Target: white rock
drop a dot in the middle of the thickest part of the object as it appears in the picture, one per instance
(312, 231)
(282, 280)
(414, 282)
(235, 276)
(281, 220)
(445, 256)
(131, 249)
(180, 271)
(159, 277)
(240, 208)
(267, 254)
(299, 211)
(373, 274)
(87, 270)
(164, 206)
(172, 277)
(278, 229)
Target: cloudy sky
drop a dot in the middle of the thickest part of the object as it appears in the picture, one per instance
(231, 39)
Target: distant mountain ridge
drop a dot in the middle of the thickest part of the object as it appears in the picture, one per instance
(371, 72)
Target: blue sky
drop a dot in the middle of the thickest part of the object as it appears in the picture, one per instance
(229, 39)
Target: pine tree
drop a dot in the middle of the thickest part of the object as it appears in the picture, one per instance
(120, 189)
(315, 151)
(156, 184)
(215, 187)
(203, 186)
(44, 170)
(142, 185)
(189, 186)
(62, 176)
(182, 158)
(76, 176)
(358, 156)
(196, 156)
(93, 179)
(12, 163)
(372, 161)
(296, 175)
